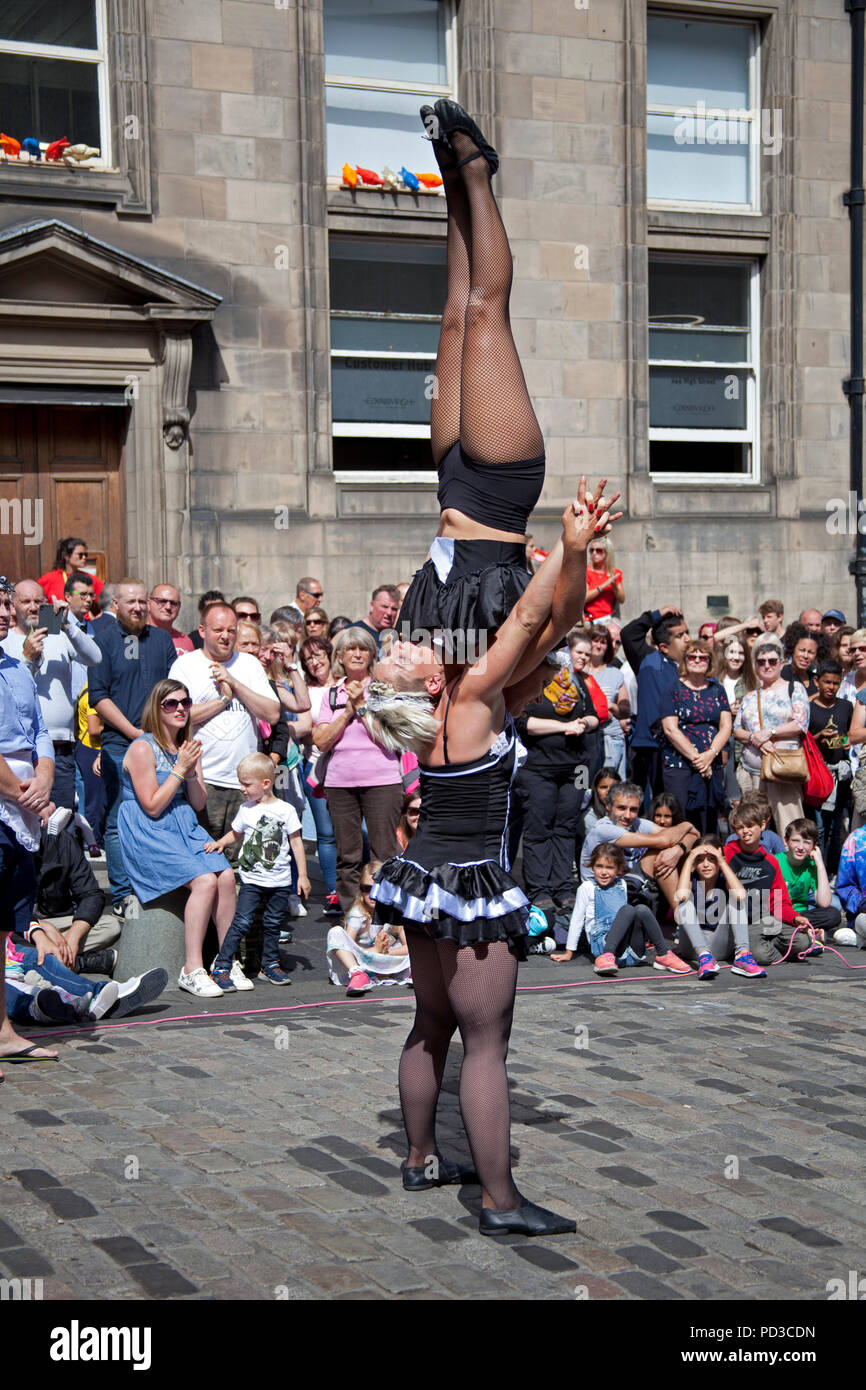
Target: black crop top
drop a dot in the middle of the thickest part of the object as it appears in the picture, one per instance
(498, 495)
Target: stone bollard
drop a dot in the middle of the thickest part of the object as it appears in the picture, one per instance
(153, 935)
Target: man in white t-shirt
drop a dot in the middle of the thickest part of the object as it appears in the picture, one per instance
(230, 693)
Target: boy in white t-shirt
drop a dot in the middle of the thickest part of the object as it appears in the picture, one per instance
(271, 834)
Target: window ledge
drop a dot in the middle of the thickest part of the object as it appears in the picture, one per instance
(108, 187)
(347, 207)
(708, 223)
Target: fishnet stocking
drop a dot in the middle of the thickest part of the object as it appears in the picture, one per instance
(481, 396)
(497, 421)
(470, 988)
(445, 408)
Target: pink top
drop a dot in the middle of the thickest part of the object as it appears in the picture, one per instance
(356, 760)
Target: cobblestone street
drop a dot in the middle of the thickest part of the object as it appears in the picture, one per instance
(707, 1140)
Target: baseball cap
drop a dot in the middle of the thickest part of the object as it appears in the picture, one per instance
(834, 613)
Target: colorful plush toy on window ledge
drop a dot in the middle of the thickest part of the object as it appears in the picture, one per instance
(10, 146)
(76, 155)
(56, 148)
(356, 176)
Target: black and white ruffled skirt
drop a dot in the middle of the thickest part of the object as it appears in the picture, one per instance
(466, 588)
(466, 903)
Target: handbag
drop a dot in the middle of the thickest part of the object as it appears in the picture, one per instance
(819, 783)
(315, 778)
(782, 764)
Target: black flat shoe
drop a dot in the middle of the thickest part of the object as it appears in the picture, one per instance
(525, 1220)
(452, 117)
(417, 1180)
(445, 156)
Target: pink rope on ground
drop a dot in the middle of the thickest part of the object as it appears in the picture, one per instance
(394, 999)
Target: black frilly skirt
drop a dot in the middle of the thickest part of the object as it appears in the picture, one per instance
(469, 588)
(467, 903)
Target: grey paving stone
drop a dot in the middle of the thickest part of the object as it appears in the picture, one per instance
(643, 1286)
(645, 1257)
(22, 1262)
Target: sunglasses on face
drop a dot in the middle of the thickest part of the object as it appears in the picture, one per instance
(767, 661)
(312, 593)
(320, 622)
(366, 888)
(857, 649)
(171, 705)
(249, 617)
(697, 656)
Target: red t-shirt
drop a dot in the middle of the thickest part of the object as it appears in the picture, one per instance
(603, 605)
(53, 582)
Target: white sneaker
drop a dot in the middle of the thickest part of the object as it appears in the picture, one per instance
(238, 978)
(844, 936)
(199, 982)
(300, 910)
(58, 820)
(104, 1000)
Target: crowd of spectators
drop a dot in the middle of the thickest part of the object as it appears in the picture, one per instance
(658, 765)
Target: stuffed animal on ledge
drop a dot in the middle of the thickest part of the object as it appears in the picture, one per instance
(10, 146)
(350, 176)
(409, 180)
(31, 148)
(56, 148)
(76, 155)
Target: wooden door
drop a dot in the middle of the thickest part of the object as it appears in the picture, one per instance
(20, 503)
(61, 475)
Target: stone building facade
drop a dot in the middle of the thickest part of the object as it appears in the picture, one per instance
(177, 303)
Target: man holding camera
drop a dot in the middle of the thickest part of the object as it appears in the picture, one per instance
(49, 656)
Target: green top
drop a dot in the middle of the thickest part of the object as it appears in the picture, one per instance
(802, 879)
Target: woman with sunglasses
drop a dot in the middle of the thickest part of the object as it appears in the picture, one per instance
(780, 722)
(316, 623)
(161, 841)
(696, 720)
(71, 557)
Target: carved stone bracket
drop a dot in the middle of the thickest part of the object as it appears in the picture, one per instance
(177, 364)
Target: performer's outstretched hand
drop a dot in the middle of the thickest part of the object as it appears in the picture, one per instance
(589, 516)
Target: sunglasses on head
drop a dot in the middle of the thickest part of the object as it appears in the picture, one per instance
(171, 705)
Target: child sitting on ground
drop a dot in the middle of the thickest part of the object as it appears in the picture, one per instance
(360, 957)
(774, 932)
(617, 931)
(851, 887)
(805, 873)
(770, 841)
(665, 810)
(271, 834)
(711, 912)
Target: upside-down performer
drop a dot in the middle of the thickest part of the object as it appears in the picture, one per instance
(464, 916)
(486, 441)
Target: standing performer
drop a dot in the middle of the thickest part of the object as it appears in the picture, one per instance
(486, 441)
(464, 916)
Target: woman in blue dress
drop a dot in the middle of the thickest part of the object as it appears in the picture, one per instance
(696, 724)
(161, 841)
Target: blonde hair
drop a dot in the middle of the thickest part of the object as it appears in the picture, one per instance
(371, 867)
(256, 765)
(606, 542)
(400, 721)
(351, 637)
(859, 635)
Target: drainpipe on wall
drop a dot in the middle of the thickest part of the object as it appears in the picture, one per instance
(854, 386)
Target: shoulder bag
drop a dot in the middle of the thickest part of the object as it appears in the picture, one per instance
(782, 764)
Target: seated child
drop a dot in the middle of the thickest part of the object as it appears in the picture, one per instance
(770, 841)
(805, 873)
(594, 809)
(773, 927)
(711, 912)
(851, 887)
(665, 810)
(617, 931)
(359, 956)
(271, 834)
(41, 989)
